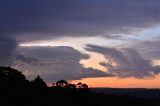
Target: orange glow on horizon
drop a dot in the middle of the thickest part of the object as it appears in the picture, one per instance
(113, 82)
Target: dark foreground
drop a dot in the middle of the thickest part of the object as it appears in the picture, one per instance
(15, 90)
(64, 97)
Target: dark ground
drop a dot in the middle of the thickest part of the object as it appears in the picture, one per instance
(16, 90)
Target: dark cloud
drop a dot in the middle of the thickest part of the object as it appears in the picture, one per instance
(55, 52)
(25, 59)
(125, 62)
(7, 48)
(25, 21)
(114, 37)
(110, 53)
(149, 48)
(39, 19)
(54, 63)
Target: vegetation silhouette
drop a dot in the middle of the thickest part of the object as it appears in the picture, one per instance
(16, 90)
(62, 83)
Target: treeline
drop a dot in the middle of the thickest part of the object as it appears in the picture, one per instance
(12, 78)
(16, 90)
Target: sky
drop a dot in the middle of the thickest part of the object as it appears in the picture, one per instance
(104, 43)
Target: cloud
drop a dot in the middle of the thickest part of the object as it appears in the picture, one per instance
(25, 59)
(30, 20)
(125, 62)
(7, 48)
(54, 63)
(116, 37)
(149, 48)
(39, 19)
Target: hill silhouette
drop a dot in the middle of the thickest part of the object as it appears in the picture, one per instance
(16, 90)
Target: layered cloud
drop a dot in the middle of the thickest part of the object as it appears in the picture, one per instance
(150, 48)
(39, 19)
(54, 63)
(125, 62)
(34, 20)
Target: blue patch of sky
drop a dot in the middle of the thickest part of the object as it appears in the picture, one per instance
(146, 34)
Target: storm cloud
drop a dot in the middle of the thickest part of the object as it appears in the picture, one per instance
(42, 20)
(54, 63)
(125, 62)
(39, 19)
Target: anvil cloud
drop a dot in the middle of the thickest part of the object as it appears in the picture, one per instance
(42, 20)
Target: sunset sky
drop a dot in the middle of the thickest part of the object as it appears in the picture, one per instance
(104, 43)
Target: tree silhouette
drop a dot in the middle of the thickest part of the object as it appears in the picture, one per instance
(11, 78)
(61, 83)
(38, 83)
(79, 84)
(53, 84)
(85, 86)
(71, 86)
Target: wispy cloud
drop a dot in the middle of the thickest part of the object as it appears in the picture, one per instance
(128, 62)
